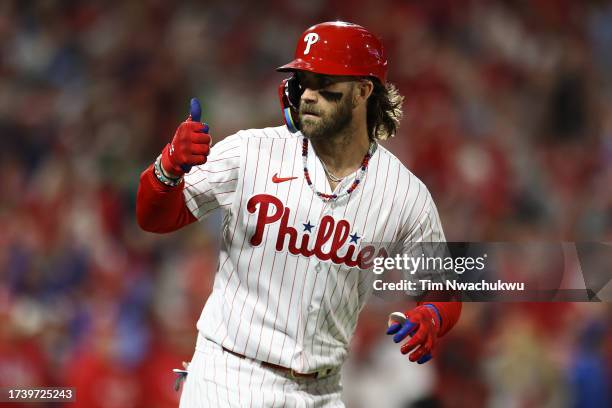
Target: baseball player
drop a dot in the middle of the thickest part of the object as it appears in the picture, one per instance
(300, 202)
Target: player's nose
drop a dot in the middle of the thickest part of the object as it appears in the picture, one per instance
(309, 96)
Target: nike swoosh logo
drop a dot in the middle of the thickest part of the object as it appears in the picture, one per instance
(276, 179)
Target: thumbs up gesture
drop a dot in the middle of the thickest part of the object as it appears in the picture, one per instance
(190, 145)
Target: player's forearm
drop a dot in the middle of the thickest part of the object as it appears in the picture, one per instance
(160, 208)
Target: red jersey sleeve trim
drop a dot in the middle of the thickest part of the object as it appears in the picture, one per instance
(160, 208)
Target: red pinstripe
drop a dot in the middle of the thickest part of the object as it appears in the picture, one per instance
(259, 270)
(215, 198)
(229, 149)
(234, 232)
(215, 376)
(220, 171)
(210, 189)
(292, 285)
(283, 279)
(227, 382)
(378, 164)
(307, 269)
(224, 158)
(362, 187)
(401, 217)
(416, 222)
(412, 209)
(392, 200)
(229, 319)
(362, 280)
(273, 263)
(223, 181)
(190, 185)
(382, 195)
(343, 318)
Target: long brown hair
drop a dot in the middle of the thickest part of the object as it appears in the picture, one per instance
(384, 110)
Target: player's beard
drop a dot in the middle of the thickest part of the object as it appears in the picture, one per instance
(326, 125)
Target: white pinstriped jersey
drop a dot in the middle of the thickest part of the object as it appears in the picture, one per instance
(285, 290)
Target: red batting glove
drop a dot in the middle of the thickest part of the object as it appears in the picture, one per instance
(190, 145)
(423, 325)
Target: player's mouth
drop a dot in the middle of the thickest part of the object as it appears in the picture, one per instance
(310, 113)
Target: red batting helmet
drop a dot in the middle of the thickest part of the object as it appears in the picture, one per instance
(339, 48)
(332, 48)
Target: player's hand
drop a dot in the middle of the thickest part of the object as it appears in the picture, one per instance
(190, 145)
(422, 324)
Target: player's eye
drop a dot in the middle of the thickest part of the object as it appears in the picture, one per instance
(331, 96)
(324, 82)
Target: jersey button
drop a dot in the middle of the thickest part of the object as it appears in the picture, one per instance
(318, 268)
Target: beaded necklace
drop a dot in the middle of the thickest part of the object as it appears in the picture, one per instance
(334, 197)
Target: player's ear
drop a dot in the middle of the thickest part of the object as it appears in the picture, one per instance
(362, 90)
(366, 87)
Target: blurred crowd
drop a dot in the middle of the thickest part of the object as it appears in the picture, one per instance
(507, 119)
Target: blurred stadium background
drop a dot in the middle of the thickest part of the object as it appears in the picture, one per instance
(508, 119)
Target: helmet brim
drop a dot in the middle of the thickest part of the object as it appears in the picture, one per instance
(299, 64)
(323, 69)
(296, 65)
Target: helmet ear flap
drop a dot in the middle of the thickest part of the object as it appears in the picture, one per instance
(294, 92)
(289, 93)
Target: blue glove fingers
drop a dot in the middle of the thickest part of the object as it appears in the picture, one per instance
(195, 110)
(204, 129)
(394, 328)
(407, 329)
(425, 358)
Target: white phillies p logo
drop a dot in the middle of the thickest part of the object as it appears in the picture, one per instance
(310, 39)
